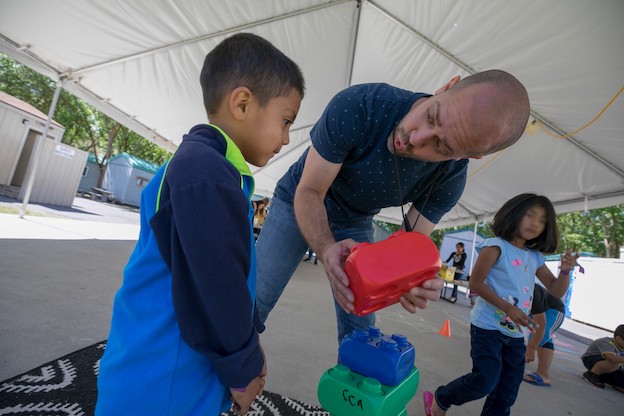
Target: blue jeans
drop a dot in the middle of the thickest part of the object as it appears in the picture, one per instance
(497, 370)
(279, 250)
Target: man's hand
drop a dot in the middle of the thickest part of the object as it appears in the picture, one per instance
(419, 297)
(243, 399)
(333, 260)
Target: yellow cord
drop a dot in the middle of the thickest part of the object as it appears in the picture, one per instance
(499, 154)
(492, 159)
(556, 136)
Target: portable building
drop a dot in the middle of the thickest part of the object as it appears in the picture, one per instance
(60, 167)
(90, 175)
(126, 176)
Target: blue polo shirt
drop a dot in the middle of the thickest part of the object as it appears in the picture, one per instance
(353, 130)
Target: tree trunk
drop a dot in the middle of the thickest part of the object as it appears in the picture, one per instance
(605, 233)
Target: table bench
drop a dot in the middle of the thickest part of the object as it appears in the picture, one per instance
(462, 283)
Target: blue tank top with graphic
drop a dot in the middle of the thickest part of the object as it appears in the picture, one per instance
(512, 277)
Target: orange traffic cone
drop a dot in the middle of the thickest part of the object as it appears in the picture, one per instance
(446, 329)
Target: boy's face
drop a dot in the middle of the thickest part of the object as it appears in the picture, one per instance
(267, 128)
(619, 341)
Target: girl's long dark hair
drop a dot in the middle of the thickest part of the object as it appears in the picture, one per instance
(508, 218)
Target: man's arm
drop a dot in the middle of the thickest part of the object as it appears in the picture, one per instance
(318, 175)
(423, 225)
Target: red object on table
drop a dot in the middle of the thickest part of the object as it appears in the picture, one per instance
(380, 273)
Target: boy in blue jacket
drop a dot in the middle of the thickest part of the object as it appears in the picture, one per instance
(184, 335)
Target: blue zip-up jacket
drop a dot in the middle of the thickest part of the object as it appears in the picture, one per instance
(183, 328)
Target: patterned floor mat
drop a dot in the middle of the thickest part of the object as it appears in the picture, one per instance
(68, 386)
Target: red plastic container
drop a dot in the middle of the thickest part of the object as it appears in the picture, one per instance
(380, 273)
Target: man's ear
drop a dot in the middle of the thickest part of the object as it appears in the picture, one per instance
(239, 101)
(448, 85)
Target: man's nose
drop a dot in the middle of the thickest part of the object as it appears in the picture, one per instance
(419, 138)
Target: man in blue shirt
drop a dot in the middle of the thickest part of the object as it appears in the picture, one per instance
(378, 146)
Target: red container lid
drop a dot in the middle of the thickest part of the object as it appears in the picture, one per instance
(380, 273)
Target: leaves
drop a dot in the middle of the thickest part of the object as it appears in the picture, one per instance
(598, 231)
(86, 128)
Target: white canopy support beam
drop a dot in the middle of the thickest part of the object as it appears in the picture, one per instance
(197, 39)
(474, 243)
(578, 144)
(472, 70)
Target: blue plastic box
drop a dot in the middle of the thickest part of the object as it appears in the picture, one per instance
(389, 359)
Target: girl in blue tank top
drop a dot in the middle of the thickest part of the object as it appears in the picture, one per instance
(504, 276)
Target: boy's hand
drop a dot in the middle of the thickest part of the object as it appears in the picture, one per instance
(529, 356)
(242, 402)
(243, 399)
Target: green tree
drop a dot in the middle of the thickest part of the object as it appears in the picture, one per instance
(85, 127)
(598, 231)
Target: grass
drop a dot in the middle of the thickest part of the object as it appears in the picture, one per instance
(16, 211)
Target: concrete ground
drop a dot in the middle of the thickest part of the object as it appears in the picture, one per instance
(59, 274)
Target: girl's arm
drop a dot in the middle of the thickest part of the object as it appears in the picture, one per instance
(487, 258)
(613, 358)
(485, 261)
(558, 286)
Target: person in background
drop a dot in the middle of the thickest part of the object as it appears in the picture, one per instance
(459, 262)
(309, 256)
(504, 276)
(604, 360)
(548, 312)
(261, 212)
(184, 333)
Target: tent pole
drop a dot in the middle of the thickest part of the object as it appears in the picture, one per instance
(34, 161)
(474, 243)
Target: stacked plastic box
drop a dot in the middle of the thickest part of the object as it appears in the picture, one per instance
(376, 376)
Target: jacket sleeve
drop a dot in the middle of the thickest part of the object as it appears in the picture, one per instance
(202, 231)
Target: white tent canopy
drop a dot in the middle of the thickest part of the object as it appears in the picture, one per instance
(139, 61)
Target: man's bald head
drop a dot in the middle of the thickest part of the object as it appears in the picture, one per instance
(500, 95)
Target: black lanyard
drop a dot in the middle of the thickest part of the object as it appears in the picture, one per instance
(408, 226)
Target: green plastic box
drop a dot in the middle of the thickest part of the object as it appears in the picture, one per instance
(343, 392)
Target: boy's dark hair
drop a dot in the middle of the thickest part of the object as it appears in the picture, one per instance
(247, 60)
(508, 218)
(619, 332)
